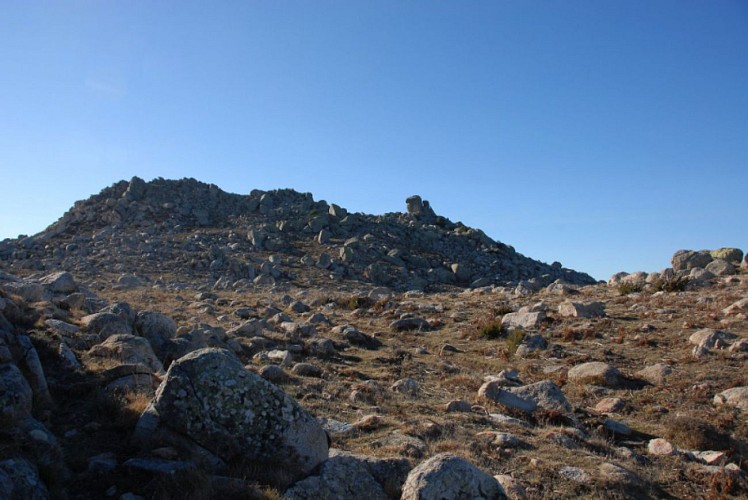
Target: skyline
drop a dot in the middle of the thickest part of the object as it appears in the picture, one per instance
(603, 136)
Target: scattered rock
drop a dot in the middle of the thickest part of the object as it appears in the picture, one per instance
(582, 310)
(449, 476)
(661, 446)
(596, 373)
(737, 397)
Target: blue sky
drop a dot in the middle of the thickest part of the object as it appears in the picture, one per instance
(602, 134)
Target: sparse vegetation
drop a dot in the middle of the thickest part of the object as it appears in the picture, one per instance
(671, 285)
(629, 288)
(514, 339)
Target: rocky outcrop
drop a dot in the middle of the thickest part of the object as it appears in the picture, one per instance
(231, 237)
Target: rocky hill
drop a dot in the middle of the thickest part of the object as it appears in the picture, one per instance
(167, 340)
(193, 231)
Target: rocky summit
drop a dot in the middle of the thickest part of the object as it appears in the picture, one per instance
(191, 231)
(169, 340)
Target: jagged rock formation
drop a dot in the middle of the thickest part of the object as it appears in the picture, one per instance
(189, 228)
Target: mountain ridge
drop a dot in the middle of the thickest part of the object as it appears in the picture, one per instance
(234, 235)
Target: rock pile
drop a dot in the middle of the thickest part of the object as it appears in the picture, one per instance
(141, 229)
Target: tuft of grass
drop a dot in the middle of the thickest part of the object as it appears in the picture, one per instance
(695, 434)
(670, 285)
(490, 330)
(514, 339)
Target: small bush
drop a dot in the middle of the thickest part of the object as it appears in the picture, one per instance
(491, 330)
(627, 288)
(514, 339)
(670, 285)
(696, 434)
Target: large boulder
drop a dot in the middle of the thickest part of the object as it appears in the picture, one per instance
(449, 476)
(731, 255)
(685, 260)
(61, 282)
(16, 397)
(229, 415)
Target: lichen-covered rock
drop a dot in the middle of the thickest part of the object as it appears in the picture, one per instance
(731, 255)
(233, 415)
(449, 476)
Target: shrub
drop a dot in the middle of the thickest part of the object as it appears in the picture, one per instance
(627, 288)
(491, 330)
(670, 285)
(696, 434)
(514, 339)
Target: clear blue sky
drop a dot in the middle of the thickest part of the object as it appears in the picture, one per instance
(603, 134)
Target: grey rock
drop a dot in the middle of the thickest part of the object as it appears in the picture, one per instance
(406, 386)
(685, 260)
(24, 480)
(272, 373)
(582, 310)
(348, 476)
(105, 324)
(719, 267)
(60, 282)
(596, 373)
(449, 476)
(229, 414)
(307, 370)
(16, 396)
(741, 306)
(128, 349)
(708, 338)
(736, 397)
(157, 328)
(656, 374)
(408, 324)
(527, 321)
